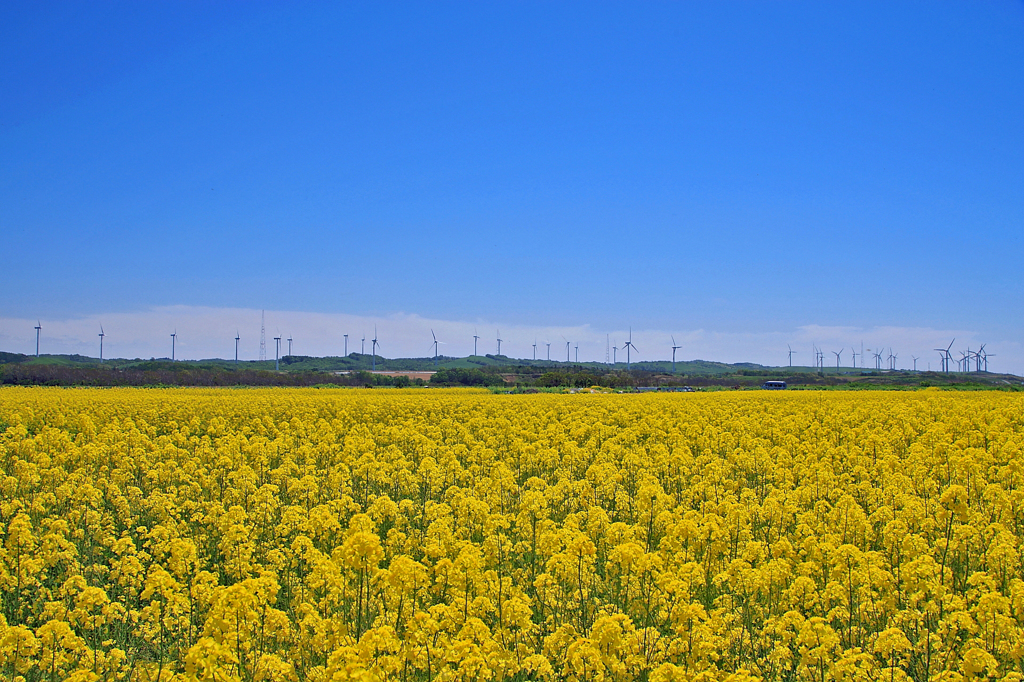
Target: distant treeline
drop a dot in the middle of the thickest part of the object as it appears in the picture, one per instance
(166, 374)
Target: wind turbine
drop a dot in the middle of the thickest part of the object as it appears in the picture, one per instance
(435, 346)
(374, 348)
(173, 337)
(854, 351)
(549, 350)
(39, 326)
(945, 356)
(915, 362)
(101, 343)
(362, 345)
(535, 348)
(499, 340)
(237, 337)
(277, 353)
(289, 345)
(629, 345)
(346, 345)
(577, 347)
(895, 357)
(615, 353)
(675, 348)
(791, 351)
(475, 338)
(837, 358)
(566, 348)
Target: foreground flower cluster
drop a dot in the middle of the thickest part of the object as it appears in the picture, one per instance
(331, 535)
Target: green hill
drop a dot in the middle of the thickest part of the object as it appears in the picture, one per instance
(490, 369)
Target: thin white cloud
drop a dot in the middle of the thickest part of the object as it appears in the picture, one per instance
(205, 332)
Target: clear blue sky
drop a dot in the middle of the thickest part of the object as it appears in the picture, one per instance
(735, 167)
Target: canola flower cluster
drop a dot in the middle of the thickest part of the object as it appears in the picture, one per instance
(158, 535)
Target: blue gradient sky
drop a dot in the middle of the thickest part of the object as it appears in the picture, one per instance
(737, 168)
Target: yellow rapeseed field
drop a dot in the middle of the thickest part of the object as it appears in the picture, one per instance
(398, 535)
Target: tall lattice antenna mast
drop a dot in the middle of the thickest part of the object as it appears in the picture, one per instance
(263, 335)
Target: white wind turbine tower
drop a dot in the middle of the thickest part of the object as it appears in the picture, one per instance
(289, 345)
(476, 338)
(615, 355)
(549, 350)
(39, 326)
(629, 345)
(945, 357)
(535, 348)
(791, 351)
(346, 344)
(173, 338)
(101, 343)
(566, 348)
(577, 348)
(674, 349)
(375, 344)
(362, 345)
(277, 352)
(498, 333)
(837, 357)
(237, 337)
(435, 346)
(915, 359)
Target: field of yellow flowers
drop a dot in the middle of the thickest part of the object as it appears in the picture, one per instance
(396, 535)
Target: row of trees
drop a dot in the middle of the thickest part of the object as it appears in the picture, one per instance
(162, 373)
(166, 374)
